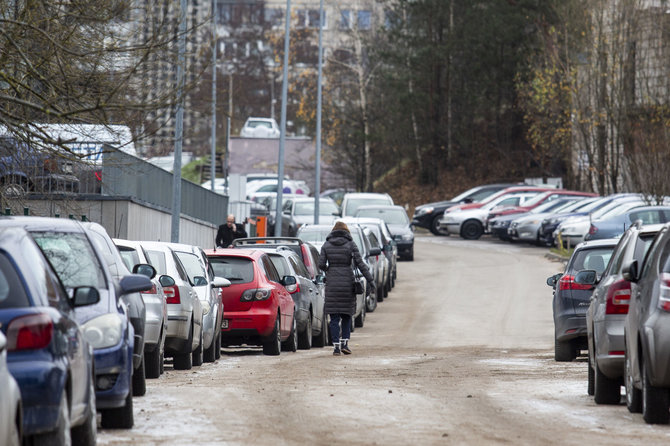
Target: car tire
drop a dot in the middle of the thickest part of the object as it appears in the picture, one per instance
(209, 354)
(139, 380)
(291, 343)
(184, 361)
(379, 294)
(359, 321)
(633, 394)
(217, 352)
(197, 353)
(386, 288)
(86, 434)
(120, 417)
(655, 401)
(434, 226)
(162, 363)
(564, 351)
(472, 230)
(305, 338)
(322, 339)
(61, 435)
(272, 345)
(152, 363)
(591, 377)
(370, 303)
(605, 390)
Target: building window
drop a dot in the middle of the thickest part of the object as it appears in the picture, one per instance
(364, 19)
(314, 18)
(345, 19)
(273, 16)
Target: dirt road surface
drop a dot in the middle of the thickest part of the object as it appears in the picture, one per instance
(461, 353)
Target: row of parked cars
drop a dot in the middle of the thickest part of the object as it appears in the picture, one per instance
(85, 319)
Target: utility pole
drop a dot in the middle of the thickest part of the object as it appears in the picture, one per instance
(212, 168)
(317, 186)
(179, 127)
(282, 135)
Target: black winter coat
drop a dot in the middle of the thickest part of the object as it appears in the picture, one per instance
(335, 260)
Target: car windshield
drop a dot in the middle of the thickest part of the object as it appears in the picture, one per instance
(255, 124)
(72, 257)
(235, 269)
(355, 203)
(390, 216)
(307, 208)
(593, 258)
(12, 293)
(314, 235)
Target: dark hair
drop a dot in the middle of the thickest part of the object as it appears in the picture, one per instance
(340, 226)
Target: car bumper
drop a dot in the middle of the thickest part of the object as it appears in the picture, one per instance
(209, 327)
(500, 232)
(302, 315)
(113, 372)
(610, 346)
(405, 247)
(178, 332)
(154, 320)
(423, 220)
(656, 336)
(570, 328)
(260, 322)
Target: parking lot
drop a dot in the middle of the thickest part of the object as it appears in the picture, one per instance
(460, 353)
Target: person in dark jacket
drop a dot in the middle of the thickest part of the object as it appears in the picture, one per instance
(229, 232)
(336, 260)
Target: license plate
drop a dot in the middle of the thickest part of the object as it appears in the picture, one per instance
(224, 324)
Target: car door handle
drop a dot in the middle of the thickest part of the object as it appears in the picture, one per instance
(311, 290)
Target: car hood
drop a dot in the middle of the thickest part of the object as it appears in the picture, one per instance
(400, 229)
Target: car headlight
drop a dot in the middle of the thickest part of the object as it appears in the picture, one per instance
(408, 236)
(103, 331)
(206, 307)
(426, 210)
(534, 222)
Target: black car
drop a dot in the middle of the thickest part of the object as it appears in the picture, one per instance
(571, 299)
(428, 215)
(499, 226)
(615, 226)
(398, 223)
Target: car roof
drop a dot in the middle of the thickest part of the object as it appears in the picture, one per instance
(42, 223)
(234, 252)
(366, 194)
(381, 207)
(597, 243)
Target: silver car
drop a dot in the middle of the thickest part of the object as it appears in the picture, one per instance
(155, 328)
(298, 211)
(607, 312)
(11, 413)
(184, 330)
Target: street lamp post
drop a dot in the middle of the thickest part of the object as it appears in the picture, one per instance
(179, 127)
(317, 186)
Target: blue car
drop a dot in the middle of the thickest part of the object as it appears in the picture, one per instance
(106, 325)
(615, 226)
(46, 351)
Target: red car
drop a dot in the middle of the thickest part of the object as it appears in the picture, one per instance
(508, 190)
(258, 307)
(538, 200)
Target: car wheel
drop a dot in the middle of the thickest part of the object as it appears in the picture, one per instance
(162, 363)
(60, 436)
(360, 320)
(606, 390)
(591, 377)
(217, 352)
(272, 345)
(655, 401)
(139, 380)
(564, 351)
(86, 434)
(183, 361)
(386, 288)
(322, 339)
(291, 343)
(305, 338)
(121, 417)
(379, 294)
(633, 394)
(434, 226)
(370, 302)
(209, 355)
(152, 363)
(197, 353)
(471, 230)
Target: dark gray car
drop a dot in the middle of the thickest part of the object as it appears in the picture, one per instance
(399, 224)
(647, 333)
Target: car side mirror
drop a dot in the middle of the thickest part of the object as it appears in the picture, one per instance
(220, 282)
(166, 281)
(630, 272)
(134, 283)
(553, 280)
(320, 278)
(586, 277)
(85, 295)
(145, 269)
(375, 252)
(199, 280)
(290, 283)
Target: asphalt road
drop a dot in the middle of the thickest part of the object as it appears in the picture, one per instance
(460, 353)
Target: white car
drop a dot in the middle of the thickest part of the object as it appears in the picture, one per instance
(259, 187)
(469, 223)
(10, 403)
(352, 201)
(260, 128)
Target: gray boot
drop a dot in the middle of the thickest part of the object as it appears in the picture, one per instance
(345, 346)
(336, 350)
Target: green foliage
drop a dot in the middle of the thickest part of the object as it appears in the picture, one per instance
(192, 170)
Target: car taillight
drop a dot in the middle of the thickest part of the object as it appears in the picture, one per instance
(172, 294)
(618, 297)
(29, 332)
(153, 290)
(256, 294)
(593, 230)
(567, 282)
(664, 296)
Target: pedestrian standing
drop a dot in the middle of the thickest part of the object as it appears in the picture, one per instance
(339, 254)
(229, 232)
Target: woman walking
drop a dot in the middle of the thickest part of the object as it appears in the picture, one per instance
(338, 256)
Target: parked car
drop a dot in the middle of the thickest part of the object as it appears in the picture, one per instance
(607, 312)
(11, 411)
(470, 223)
(259, 309)
(315, 235)
(155, 302)
(399, 224)
(353, 200)
(311, 320)
(428, 215)
(369, 298)
(495, 196)
(300, 211)
(136, 308)
(647, 339)
(185, 312)
(260, 128)
(260, 188)
(105, 325)
(337, 195)
(571, 299)
(536, 201)
(615, 226)
(45, 350)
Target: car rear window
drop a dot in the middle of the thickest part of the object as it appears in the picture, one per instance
(314, 236)
(280, 265)
(390, 216)
(12, 293)
(129, 256)
(157, 260)
(193, 267)
(235, 269)
(355, 203)
(594, 258)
